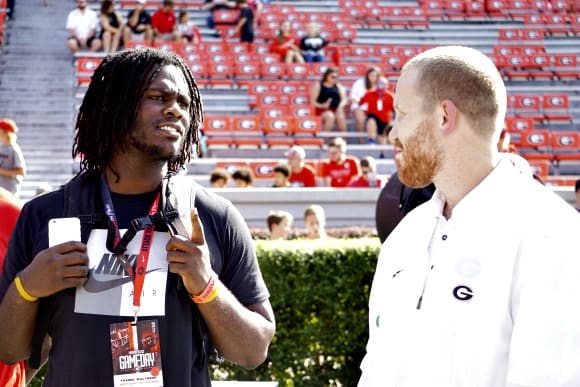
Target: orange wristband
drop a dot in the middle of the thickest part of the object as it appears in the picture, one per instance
(208, 294)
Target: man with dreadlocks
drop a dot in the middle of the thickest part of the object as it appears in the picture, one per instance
(139, 307)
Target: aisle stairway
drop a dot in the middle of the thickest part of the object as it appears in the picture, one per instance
(36, 90)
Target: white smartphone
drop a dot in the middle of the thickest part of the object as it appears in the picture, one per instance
(62, 230)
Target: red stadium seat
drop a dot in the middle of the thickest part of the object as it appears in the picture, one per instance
(538, 138)
(555, 107)
(528, 105)
(298, 71)
(540, 168)
(519, 124)
(541, 66)
(217, 70)
(273, 71)
(561, 5)
(231, 165)
(225, 16)
(84, 69)
(536, 145)
(263, 169)
(249, 70)
(218, 130)
(247, 130)
(566, 66)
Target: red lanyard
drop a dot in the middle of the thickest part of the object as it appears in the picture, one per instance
(120, 244)
(141, 264)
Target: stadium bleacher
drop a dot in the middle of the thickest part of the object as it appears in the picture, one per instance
(256, 106)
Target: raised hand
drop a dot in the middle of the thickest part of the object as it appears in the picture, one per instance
(190, 257)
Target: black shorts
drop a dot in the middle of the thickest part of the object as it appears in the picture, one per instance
(89, 40)
(383, 128)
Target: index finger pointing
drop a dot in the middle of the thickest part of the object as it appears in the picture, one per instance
(197, 235)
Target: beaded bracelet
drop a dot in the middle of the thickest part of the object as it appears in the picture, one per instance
(208, 294)
(23, 293)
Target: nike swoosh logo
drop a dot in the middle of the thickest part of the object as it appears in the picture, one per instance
(94, 285)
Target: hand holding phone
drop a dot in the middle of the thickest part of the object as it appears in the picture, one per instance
(62, 230)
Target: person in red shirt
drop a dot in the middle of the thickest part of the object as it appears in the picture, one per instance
(286, 44)
(368, 176)
(340, 168)
(301, 174)
(10, 375)
(164, 23)
(378, 105)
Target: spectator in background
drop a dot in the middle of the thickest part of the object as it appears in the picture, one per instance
(13, 375)
(368, 176)
(164, 23)
(138, 24)
(359, 88)
(12, 165)
(328, 98)
(216, 5)
(312, 45)
(577, 192)
(378, 107)
(315, 222)
(279, 224)
(111, 26)
(243, 177)
(301, 174)
(219, 178)
(286, 44)
(281, 176)
(257, 6)
(340, 168)
(245, 25)
(82, 25)
(187, 29)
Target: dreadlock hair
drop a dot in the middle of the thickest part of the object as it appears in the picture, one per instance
(109, 109)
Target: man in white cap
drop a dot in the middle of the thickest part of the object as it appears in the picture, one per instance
(301, 174)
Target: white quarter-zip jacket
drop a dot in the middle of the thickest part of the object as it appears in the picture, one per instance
(488, 298)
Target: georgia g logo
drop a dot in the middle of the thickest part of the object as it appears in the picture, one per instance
(463, 293)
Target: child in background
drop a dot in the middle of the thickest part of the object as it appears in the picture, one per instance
(315, 222)
(187, 29)
(279, 224)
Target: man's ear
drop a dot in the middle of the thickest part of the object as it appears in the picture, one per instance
(448, 116)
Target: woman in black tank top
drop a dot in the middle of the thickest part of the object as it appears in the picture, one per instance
(328, 99)
(111, 24)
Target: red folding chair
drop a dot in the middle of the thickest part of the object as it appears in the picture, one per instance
(298, 71)
(218, 130)
(556, 107)
(305, 130)
(278, 131)
(249, 70)
(273, 70)
(247, 131)
(84, 69)
(566, 66)
(566, 145)
(263, 169)
(536, 145)
(528, 105)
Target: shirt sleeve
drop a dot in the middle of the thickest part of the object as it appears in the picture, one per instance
(18, 158)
